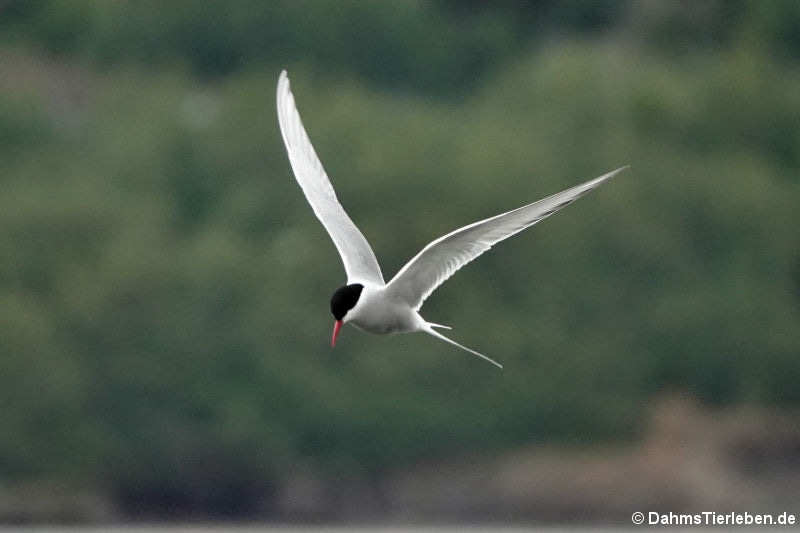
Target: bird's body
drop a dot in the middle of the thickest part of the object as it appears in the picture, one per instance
(377, 312)
(367, 301)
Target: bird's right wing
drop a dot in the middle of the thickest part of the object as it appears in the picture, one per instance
(358, 258)
(443, 257)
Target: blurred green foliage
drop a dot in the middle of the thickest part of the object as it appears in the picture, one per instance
(164, 288)
(439, 47)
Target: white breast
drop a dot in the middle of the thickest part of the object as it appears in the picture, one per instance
(376, 313)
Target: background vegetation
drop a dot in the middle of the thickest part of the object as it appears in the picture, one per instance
(164, 287)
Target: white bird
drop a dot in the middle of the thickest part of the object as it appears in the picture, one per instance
(367, 301)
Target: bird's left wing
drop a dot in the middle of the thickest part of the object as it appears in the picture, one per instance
(358, 258)
(443, 257)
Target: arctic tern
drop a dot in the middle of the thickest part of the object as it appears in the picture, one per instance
(367, 301)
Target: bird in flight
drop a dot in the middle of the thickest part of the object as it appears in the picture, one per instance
(367, 301)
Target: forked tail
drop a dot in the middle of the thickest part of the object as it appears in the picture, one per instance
(430, 331)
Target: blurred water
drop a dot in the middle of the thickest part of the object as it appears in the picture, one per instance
(294, 529)
(330, 529)
(274, 529)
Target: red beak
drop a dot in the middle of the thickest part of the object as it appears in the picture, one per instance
(336, 328)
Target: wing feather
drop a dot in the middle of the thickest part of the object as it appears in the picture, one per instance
(443, 257)
(359, 260)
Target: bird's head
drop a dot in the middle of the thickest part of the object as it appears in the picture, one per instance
(342, 301)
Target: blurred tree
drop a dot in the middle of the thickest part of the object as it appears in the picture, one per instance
(163, 293)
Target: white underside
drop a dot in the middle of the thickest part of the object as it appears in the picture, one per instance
(377, 312)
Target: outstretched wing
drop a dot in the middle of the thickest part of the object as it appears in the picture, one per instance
(358, 258)
(443, 257)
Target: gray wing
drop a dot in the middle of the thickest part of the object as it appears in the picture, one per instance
(358, 258)
(443, 257)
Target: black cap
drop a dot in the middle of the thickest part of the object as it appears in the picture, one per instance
(344, 299)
